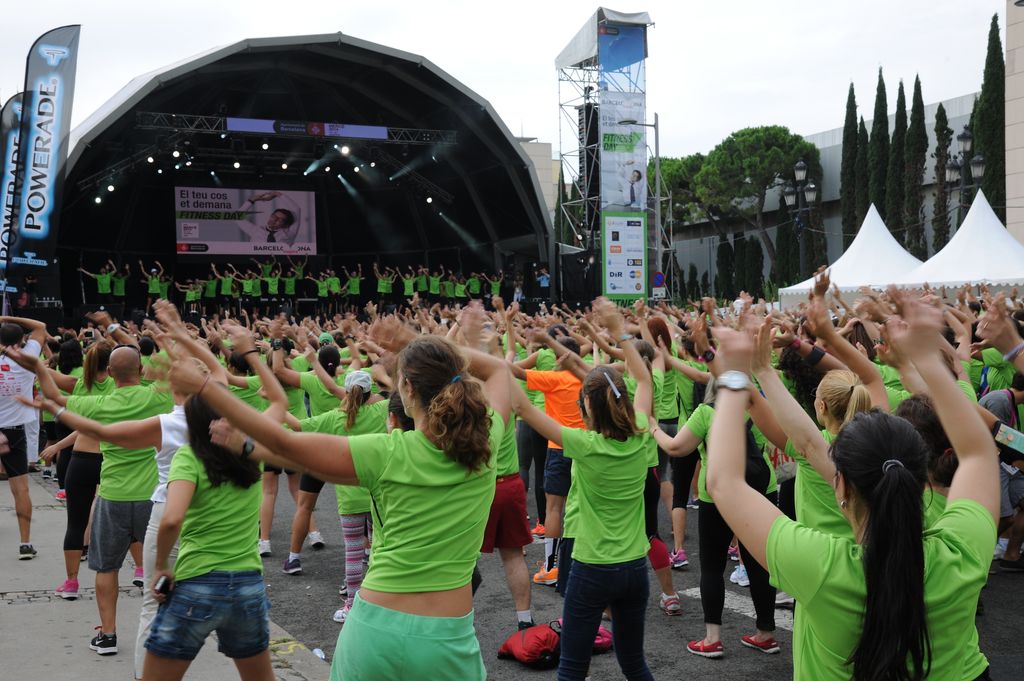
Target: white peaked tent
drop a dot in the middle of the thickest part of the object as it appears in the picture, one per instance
(874, 259)
(981, 252)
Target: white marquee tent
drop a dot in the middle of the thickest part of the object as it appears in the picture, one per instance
(981, 252)
(874, 259)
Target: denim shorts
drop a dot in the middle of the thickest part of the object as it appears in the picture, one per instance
(234, 604)
(557, 473)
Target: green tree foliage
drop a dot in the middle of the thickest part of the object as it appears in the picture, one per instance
(988, 124)
(862, 192)
(737, 175)
(878, 151)
(913, 192)
(725, 268)
(848, 171)
(693, 290)
(940, 206)
(894, 178)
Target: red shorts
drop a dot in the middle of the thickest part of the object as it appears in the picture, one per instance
(507, 527)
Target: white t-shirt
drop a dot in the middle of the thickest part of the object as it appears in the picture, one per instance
(173, 434)
(16, 381)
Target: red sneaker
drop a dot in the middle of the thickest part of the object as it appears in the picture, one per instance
(768, 647)
(713, 650)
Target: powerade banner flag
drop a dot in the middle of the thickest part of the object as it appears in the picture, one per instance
(10, 127)
(43, 146)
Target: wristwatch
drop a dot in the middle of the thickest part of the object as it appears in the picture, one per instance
(733, 380)
(276, 344)
(708, 356)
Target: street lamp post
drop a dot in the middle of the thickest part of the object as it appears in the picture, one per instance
(799, 198)
(955, 172)
(658, 251)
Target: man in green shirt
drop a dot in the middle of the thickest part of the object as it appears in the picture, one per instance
(354, 281)
(152, 279)
(128, 478)
(473, 285)
(118, 280)
(227, 287)
(103, 280)
(434, 284)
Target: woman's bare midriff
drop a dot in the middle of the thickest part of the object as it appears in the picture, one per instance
(86, 445)
(451, 603)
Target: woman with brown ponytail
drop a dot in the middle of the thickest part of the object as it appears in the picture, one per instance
(896, 600)
(433, 487)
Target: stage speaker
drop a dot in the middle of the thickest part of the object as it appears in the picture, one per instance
(51, 316)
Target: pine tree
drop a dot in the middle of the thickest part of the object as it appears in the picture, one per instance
(878, 151)
(848, 172)
(988, 124)
(862, 190)
(913, 196)
(940, 207)
(894, 178)
(692, 287)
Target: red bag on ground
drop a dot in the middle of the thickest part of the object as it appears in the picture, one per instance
(603, 640)
(537, 647)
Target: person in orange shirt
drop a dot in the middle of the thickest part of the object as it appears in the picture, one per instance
(561, 390)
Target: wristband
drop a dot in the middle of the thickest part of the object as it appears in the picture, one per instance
(113, 327)
(1012, 354)
(816, 356)
(249, 352)
(247, 447)
(205, 381)
(625, 337)
(276, 344)
(708, 356)
(57, 415)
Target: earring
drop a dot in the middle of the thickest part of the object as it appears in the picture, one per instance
(844, 503)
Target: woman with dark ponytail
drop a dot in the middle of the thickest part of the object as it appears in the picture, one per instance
(604, 510)
(432, 487)
(895, 601)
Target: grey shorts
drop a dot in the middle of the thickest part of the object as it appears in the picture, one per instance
(1011, 492)
(115, 525)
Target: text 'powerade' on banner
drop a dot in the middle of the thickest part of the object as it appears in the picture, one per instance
(624, 251)
(43, 151)
(232, 221)
(10, 128)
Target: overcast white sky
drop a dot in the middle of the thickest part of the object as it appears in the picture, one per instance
(714, 66)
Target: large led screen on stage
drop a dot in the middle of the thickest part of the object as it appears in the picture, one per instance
(230, 221)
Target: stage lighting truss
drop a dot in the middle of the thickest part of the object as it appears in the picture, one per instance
(391, 167)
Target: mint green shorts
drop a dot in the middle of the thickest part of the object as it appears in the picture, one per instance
(380, 644)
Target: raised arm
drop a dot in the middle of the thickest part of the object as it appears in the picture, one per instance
(611, 319)
(817, 318)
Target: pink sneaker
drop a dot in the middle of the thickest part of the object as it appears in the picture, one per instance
(68, 590)
(61, 495)
(734, 553)
(138, 579)
(679, 559)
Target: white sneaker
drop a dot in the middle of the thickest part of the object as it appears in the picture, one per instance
(264, 547)
(1000, 550)
(739, 576)
(316, 540)
(340, 615)
(784, 600)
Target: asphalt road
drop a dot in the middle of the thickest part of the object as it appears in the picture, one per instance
(304, 604)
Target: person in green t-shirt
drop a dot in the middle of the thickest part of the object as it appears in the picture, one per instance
(227, 288)
(355, 279)
(193, 290)
(299, 266)
(421, 280)
(604, 512)
(266, 267)
(385, 282)
(153, 280)
(434, 284)
(473, 285)
(272, 278)
(449, 455)
(119, 279)
(409, 282)
(103, 281)
(322, 292)
(894, 599)
(289, 286)
(495, 282)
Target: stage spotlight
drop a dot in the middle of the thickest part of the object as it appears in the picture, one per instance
(373, 164)
(355, 168)
(159, 171)
(265, 145)
(430, 199)
(212, 173)
(223, 135)
(177, 166)
(327, 169)
(98, 200)
(149, 159)
(175, 153)
(110, 187)
(284, 166)
(345, 150)
(236, 165)
(188, 163)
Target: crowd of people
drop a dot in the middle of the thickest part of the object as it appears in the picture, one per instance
(270, 284)
(860, 461)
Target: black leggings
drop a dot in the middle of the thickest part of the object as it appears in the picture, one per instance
(533, 451)
(715, 536)
(683, 468)
(64, 456)
(82, 478)
(787, 498)
(652, 495)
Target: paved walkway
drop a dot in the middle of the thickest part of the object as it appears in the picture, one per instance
(46, 637)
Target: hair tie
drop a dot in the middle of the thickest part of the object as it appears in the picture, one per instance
(615, 390)
(889, 464)
(456, 378)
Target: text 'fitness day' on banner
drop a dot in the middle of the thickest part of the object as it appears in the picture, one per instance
(258, 222)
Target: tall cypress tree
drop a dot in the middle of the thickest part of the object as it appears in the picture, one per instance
(848, 171)
(897, 170)
(988, 124)
(916, 157)
(787, 250)
(725, 267)
(739, 258)
(878, 151)
(940, 207)
(754, 266)
(692, 285)
(862, 179)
